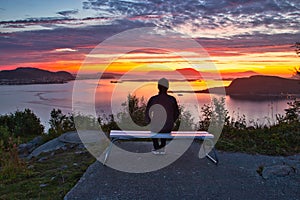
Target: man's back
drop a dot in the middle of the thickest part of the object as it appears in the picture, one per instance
(162, 111)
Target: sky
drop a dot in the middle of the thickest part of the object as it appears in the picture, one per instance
(238, 35)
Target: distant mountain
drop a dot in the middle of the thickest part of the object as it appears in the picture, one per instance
(105, 75)
(29, 75)
(234, 75)
(178, 74)
(189, 72)
(260, 85)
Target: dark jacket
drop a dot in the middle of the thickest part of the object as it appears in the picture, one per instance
(161, 112)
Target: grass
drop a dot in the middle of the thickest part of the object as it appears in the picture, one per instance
(282, 139)
(51, 178)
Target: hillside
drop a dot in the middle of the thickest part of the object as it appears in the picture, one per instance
(233, 75)
(178, 74)
(261, 86)
(264, 85)
(189, 72)
(29, 75)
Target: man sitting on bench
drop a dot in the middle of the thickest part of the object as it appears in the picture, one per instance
(161, 112)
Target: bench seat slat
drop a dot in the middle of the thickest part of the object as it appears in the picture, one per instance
(174, 134)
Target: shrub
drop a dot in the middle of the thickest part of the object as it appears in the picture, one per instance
(27, 123)
(132, 117)
(185, 121)
(10, 163)
(60, 123)
(22, 123)
(214, 115)
(4, 135)
(292, 113)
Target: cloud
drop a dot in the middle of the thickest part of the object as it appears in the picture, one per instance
(254, 16)
(245, 44)
(68, 12)
(65, 50)
(202, 18)
(222, 27)
(38, 46)
(34, 24)
(35, 21)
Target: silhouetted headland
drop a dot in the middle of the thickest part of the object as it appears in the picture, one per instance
(29, 75)
(258, 86)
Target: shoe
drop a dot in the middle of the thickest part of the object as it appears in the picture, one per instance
(155, 152)
(162, 151)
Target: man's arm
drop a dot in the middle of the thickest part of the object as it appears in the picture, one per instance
(147, 114)
(176, 110)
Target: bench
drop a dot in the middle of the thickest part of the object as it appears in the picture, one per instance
(119, 135)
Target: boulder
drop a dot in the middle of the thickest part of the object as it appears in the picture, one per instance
(26, 148)
(51, 145)
(277, 171)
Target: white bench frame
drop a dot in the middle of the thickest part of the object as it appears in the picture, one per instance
(119, 135)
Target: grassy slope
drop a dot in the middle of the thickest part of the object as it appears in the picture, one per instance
(48, 179)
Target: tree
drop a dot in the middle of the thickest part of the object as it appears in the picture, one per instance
(297, 50)
(22, 123)
(27, 123)
(292, 113)
(60, 123)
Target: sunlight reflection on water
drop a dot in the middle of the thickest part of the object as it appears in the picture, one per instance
(43, 98)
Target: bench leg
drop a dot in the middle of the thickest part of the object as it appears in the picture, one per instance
(108, 150)
(214, 159)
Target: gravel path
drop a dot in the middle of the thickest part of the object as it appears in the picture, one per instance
(236, 177)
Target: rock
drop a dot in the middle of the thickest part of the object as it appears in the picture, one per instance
(52, 145)
(25, 149)
(277, 171)
(80, 152)
(64, 148)
(64, 167)
(70, 137)
(42, 159)
(43, 185)
(30, 167)
(22, 149)
(37, 140)
(81, 146)
(30, 147)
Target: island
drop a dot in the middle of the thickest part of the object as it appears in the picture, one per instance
(257, 87)
(30, 75)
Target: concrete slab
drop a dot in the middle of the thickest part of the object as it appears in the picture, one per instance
(189, 177)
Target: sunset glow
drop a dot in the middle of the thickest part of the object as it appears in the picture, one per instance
(251, 36)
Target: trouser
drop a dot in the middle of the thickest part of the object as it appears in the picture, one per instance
(156, 144)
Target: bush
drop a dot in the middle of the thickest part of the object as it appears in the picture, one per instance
(214, 115)
(60, 123)
(132, 117)
(10, 163)
(4, 135)
(185, 120)
(293, 111)
(27, 123)
(13, 127)
(21, 123)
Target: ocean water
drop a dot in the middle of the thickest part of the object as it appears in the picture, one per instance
(107, 97)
